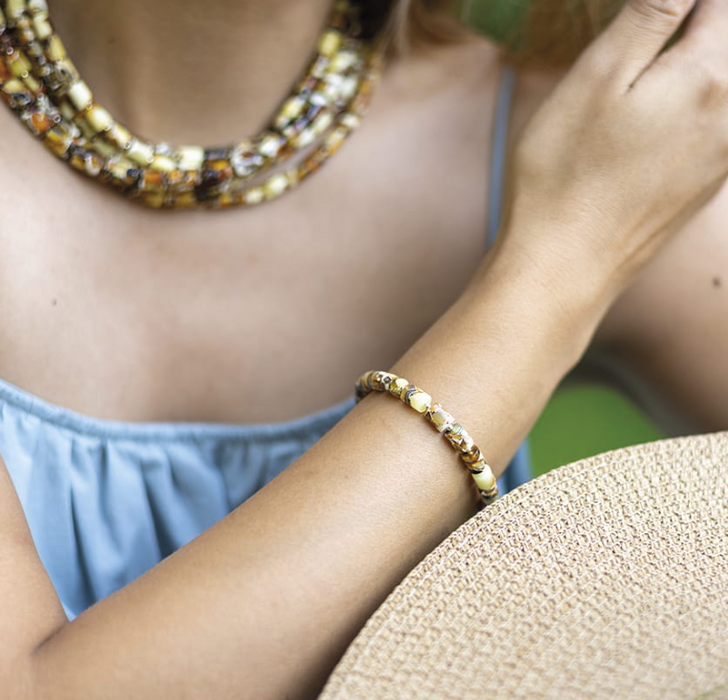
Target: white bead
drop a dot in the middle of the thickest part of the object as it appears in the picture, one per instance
(485, 481)
(140, 152)
(99, 118)
(190, 157)
(275, 186)
(420, 401)
(80, 95)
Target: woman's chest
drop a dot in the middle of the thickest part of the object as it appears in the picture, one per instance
(242, 316)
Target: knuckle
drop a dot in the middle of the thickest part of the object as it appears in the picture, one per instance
(712, 85)
(672, 10)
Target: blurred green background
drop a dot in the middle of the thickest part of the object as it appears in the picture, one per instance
(580, 420)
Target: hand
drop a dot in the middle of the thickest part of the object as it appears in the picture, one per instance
(627, 147)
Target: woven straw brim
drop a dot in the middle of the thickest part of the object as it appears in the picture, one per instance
(606, 578)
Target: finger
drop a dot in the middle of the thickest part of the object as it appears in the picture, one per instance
(635, 38)
(707, 30)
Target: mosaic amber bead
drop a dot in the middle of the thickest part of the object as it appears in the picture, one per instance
(119, 169)
(39, 123)
(58, 140)
(398, 386)
(72, 126)
(439, 417)
(152, 181)
(471, 456)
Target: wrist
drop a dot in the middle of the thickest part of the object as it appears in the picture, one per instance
(561, 299)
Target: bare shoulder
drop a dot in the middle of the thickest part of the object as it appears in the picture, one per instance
(666, 338)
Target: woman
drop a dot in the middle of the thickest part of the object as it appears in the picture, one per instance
(122, 313)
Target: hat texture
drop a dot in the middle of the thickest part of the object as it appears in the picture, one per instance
(606, 578)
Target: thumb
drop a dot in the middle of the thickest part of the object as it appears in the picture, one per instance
(635, 38)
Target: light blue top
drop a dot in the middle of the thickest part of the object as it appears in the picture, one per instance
(107, 500)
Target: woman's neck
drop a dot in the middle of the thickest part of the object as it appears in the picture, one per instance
(187, 71)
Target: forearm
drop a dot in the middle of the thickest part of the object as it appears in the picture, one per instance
(264, 603)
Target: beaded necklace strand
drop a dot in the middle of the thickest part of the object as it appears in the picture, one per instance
(43, 88)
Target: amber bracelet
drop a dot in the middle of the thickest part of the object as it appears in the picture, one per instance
(455, 434)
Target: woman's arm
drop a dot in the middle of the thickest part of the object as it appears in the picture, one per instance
(264, 603)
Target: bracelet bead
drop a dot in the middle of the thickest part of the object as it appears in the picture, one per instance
(444, 423)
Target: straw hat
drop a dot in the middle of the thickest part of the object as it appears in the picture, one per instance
(606, 578)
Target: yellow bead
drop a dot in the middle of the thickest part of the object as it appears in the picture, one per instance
(13, 86)
(305, 138)
(32, 84)
(343, 61)
(291, 109)
(420, 401)
(293, 178)
(104, 149)
(38, 7)
(396, 387)
(119, 135)
(329, 43)
(270, 145)
(80, 95)
(275, 186)
(254, 195)
(42, 27)
(18, 64)
(99, 118)
(140, 152)
(322, 123)
(485, 481)
(15, 8)
(335, 140)
(56, 51)
(163, 163)
(67, 110)
(153, 199)
(350, 121)
(186, 200)
(348, 88)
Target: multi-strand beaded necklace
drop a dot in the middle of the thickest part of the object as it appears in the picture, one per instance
(41, 85)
